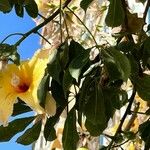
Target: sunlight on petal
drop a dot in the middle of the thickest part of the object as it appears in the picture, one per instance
(23, 81)
(50, 105)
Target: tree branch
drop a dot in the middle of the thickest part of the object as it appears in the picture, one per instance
(119, 129)
(35, 29)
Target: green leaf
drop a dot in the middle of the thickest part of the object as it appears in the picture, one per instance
(30, 134)
(146, 52)
(85, 4)
(117, 64)
(5, 6)
(95, 129)
(117, 97)
(143, 86)
(67, 82)
(19, 10)
(54, 69)
(84, 91)
(32, 9)
(145, 135)
(64, 54)
(134, 67)
(115, 15)
(78, 63)
(95, 106)
(49, 131)
(43, 89)
(58, 93)
(70, 134)
(109, 108)
(75, 49)
(20, 108)
(14, 127)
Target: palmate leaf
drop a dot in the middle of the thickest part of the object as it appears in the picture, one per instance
(19, 10)
(42, 90)
(117, 64)
(78, 63)
(70, 135)
(115, 15)
(54, 69)
(32, 9)
(30, 134)
(20, 108)
(67, 82)
(95, 106)
(14, 127)
(49, 131)
(58, 93)
(95, 129)
(75, 49)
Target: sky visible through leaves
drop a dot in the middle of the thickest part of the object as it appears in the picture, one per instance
(10, 23)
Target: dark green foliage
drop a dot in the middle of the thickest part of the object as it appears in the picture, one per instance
(30, 135)
(32, 9)
(58, 93)
(20, 108)
(5, 6)
(49, 131)
(143, 86)
(42, 90)
(117, 64)
(115, 15)
(95, 129)
(85, 4)
(70, 135)
(19, 10)
(14, 127)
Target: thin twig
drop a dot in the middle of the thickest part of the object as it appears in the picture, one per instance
(42, 16)
(35, 29)
(83, 24)
(43, 37)
(133, 117)
(60, 20)
(68, 36)
(10, 36)
(121, 144)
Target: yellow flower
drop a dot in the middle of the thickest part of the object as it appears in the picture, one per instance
(22, 81)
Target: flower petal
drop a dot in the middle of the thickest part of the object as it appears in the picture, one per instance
(50, 105)
(7, 101)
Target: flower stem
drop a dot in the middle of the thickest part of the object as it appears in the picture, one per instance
(43, 37)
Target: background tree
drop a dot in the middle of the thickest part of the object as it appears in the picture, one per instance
(97, 74)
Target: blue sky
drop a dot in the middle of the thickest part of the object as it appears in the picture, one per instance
(10, 23)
